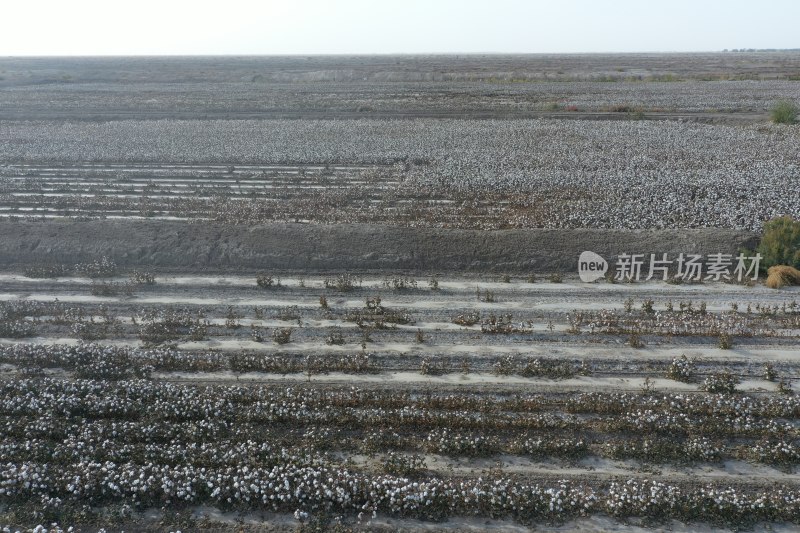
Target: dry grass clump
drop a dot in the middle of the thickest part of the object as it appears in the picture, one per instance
(781, 275)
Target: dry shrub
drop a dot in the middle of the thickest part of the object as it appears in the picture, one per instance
(781, 275)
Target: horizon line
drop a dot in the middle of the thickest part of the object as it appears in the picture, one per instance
(410, 54)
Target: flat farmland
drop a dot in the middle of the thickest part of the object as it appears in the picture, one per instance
(488, 174)
(342, 293)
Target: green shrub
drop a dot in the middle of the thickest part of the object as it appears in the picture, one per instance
(780, 243)
(784, 112)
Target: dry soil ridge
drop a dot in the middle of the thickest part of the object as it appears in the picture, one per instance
(359, 247)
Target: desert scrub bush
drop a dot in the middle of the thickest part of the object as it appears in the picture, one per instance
(99, 268)
(628, 305)
(556, 277)
(502, 324)
(784, 112)
(635, 341)
(142, 277)
(781, 276)
(725, 341)
(785, 387)
(400, 283)
(780, 243)
(282, 335)
(375, 315)
(232, 318)
(267, 281)
(433, 283)
(720, 382)
(486, 296)
(345, 282)
(648, 387)
(681, 369)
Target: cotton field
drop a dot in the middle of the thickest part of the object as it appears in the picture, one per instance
(347, 294)
(485, 174)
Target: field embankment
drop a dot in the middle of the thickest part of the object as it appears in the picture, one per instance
(284, 246)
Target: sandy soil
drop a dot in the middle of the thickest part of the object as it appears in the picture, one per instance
(309, 247)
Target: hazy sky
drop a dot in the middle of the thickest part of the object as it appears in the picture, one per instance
(112, 27)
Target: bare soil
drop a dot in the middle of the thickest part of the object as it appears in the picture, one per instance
(310, 247)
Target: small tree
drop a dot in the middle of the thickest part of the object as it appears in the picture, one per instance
(780, 244)
(784, 112)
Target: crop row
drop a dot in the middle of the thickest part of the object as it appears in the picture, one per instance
(70, 440)
(549, 173)
(601, 403)
(289, 487)
(409, 91)
(167, 402)
(95, 361)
